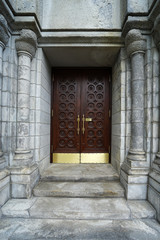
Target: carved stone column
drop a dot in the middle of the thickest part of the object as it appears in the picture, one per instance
(24, 169)
(135, 169)
(4, 36)
(154, 176)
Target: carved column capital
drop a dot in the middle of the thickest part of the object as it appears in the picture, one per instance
(27, 43)
(156, 32)
(4, 36)
(135, 42)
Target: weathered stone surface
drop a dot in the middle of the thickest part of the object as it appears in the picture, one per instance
(80, 172)
(15, 229)
(141, 209)
(77, 208)
(27, 42)
(154, 199)
(135, 187)
(79, 189)
(96, 14)
(135, 42)
(23, 179)
(156, 33)
(4, 35)
(18, 208)
(81, 208)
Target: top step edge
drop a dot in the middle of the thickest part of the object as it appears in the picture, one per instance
(74, 179)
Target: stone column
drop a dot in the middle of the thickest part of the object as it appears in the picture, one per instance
(24, 169)
(135, 169)
(154, 175)
(4, 36)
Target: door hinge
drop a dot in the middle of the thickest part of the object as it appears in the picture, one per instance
(52, 112)
(109, 113)
(109, 149)
(51, 148)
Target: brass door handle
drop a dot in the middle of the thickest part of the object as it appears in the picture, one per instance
(78, 120)
(83, 120)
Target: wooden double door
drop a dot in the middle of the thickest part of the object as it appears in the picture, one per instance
(80, 129)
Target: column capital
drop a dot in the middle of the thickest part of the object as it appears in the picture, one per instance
(156, 32)
(4, 35)
(27, 42)
(135, 42)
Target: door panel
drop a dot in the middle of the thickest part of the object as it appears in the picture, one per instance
(81, 124)
(94, 107)
(65, 112)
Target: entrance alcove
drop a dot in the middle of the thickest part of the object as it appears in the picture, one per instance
(107, 56)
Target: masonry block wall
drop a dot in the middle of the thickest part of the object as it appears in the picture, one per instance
(40, 129)
(118, 111)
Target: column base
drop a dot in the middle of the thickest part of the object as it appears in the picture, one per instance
(134, 176)
(23, 158)
(23, 179)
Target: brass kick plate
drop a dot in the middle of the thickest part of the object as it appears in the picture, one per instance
(80, 157)
(88, 119)
(66, 158)
(94, 157)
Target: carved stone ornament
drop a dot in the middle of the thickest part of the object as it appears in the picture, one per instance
(27, 42)
(156, 32)
(135, 42)
(4, 36)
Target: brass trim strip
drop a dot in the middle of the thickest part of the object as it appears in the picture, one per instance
(94, 157)
(66, 157)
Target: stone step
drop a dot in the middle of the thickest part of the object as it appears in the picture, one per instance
(80, 173)
(78, 208)
(79, 189)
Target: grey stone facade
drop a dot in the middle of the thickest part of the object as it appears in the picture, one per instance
(37, 35)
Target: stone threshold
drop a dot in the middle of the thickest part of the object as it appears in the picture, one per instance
(80, 173)
(78, 209)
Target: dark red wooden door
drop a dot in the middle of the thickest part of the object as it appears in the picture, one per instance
(81, 123)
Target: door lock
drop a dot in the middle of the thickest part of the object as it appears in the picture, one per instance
(88, 119)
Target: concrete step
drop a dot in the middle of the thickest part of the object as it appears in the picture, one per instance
(78, 208)
(79, 189)
(80, 173)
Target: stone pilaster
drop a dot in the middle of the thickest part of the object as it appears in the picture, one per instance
(24, 170)
(134, 171)
(154, 175)
(4, 173)
(4, 36)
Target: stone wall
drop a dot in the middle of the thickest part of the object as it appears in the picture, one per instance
(40, 103)
(118, 112)
(151, 100)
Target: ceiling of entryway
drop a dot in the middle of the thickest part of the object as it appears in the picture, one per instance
(81, 56)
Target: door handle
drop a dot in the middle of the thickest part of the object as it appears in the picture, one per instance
(83, 128)
(78, 121)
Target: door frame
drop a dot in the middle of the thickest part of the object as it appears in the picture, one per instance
(52, 103)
